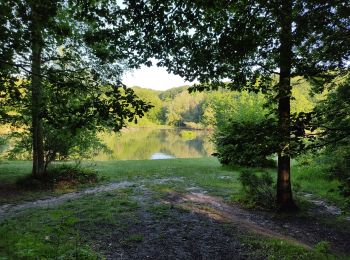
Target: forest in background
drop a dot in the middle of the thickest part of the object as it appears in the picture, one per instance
(178, 107)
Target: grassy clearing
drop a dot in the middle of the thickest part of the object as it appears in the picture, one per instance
(202, 172)
(82, 228)
(44, 234)
(75, 228)
(62, 231)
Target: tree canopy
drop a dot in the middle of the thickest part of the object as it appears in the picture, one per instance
(248, 43)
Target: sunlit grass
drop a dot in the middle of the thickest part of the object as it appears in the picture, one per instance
(314, 180)
(10, 171)
(203, 172)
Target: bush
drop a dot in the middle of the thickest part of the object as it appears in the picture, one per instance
(246, 143)
(67, 175)
(2, 140)
(60, 144)
(72, 174)
(331, 115)
(339, 167)
(259, 190)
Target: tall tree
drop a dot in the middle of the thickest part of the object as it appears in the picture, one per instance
(247, 43)
(38, 17)
(59, 46)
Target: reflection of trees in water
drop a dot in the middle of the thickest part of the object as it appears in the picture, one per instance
(162, 134)
(197, 143)
(167, 151)
(143, 142)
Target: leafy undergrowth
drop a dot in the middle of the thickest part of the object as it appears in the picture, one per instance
(72, 173)
(17, 184)
(61, 177)
(258, 190)
(315, 180)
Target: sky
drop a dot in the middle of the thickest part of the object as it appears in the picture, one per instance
(153, 77)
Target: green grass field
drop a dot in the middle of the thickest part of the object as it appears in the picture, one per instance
(205, 172)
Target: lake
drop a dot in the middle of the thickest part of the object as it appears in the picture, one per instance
(154, 143)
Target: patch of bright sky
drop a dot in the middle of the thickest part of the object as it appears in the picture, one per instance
(153, 77)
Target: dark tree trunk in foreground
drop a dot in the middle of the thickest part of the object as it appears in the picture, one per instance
(284, 190)
(36, 84)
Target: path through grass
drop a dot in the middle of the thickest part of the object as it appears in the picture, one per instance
(179, 208)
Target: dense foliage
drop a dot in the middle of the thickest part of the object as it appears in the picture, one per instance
(247, 144)
(330, 132)
(178, 107)
(259, 189)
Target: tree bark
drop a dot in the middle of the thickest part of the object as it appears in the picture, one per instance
(284, 190)
(37, 92)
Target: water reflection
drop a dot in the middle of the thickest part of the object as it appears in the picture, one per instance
(159, 156)
(151, 143)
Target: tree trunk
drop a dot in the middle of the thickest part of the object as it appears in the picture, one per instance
(284, 190)
(36, 84)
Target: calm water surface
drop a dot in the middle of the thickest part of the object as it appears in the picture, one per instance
(152, 143)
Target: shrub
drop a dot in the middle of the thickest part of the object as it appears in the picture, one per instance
(71, 174)
(2, 140)
(339, 167)
(60, 144)
(67, 175)
(331, 115)
(258, 190)
(246, 143)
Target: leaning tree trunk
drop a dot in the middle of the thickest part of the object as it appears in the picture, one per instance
(36, 84)
(284, 190)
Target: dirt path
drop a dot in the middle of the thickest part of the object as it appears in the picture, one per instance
(7, 210)
(196, 225)
(304, 230)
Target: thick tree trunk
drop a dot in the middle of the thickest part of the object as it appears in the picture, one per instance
(284, 190)
(36, 84)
